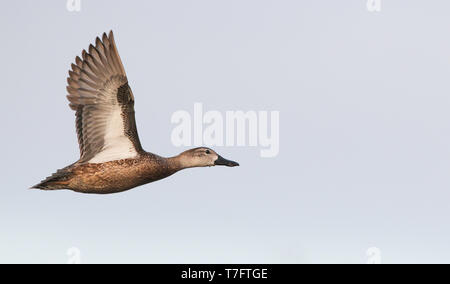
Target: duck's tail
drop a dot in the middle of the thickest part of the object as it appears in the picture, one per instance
(58, 180)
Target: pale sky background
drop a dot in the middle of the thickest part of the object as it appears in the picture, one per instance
(364, 102)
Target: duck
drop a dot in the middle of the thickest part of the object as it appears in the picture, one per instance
(112, 159)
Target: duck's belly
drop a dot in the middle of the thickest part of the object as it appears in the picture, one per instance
(116, 176)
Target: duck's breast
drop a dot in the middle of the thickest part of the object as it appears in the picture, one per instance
(117, 176)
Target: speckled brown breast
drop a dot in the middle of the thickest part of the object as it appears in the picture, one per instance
(117, 176)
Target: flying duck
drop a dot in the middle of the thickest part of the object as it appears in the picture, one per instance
(111, 156)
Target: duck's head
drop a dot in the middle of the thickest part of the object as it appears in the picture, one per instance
(204, 157)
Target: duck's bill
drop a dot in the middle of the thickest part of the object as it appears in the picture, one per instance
(224, 162)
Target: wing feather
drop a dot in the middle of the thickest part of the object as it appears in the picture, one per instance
(104, 104)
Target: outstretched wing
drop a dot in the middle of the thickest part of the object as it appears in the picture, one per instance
(104, 104)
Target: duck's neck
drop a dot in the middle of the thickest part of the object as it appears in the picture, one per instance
(179, 163)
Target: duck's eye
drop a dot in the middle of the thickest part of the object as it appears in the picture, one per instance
(208, 152)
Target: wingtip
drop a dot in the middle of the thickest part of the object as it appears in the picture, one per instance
(111, 36)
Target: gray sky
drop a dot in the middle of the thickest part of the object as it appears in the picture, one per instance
(364, 131)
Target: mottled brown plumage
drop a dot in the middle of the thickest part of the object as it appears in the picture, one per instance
(111, 156)
(114, 176)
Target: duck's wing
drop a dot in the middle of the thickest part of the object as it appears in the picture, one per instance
(104, 104)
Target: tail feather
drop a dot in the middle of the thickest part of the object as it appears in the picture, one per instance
(57, 180)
